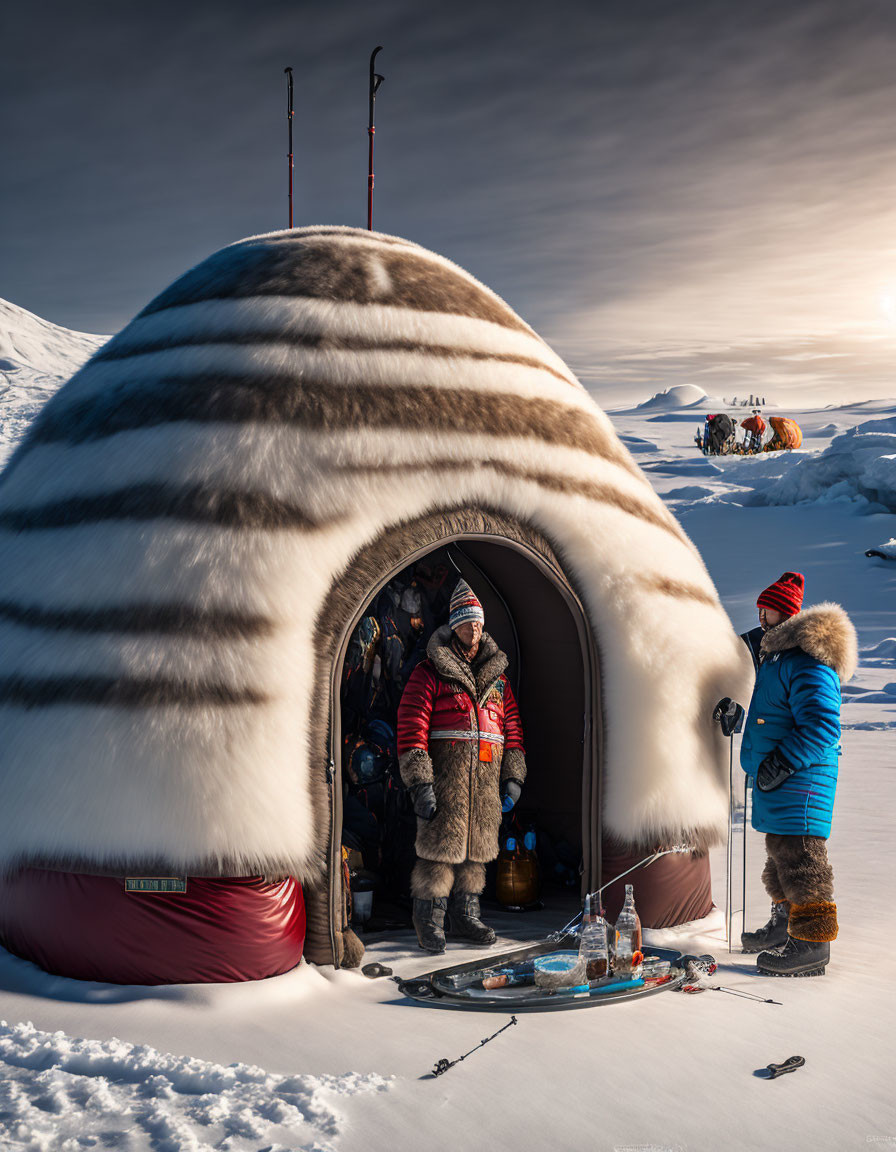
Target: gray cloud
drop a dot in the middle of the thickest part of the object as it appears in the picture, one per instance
(699, 184)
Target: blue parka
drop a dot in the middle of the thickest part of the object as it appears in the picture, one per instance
(796, 709)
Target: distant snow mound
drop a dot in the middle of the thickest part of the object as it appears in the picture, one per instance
(884, 651)
(679, 396)
(36, 358)
(885, 424)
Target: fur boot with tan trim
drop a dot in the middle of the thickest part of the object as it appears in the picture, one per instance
(807, 950)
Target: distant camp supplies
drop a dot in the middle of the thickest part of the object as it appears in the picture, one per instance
(788, 434)
(754, 426)
(718, 434)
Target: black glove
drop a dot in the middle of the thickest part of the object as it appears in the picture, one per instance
(729, 714)
(423, 797)
(773, 771)
(511, 790)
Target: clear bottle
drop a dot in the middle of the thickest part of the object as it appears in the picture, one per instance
(593, 942)
(628, 937)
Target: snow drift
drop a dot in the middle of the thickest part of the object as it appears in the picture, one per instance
(860, 465)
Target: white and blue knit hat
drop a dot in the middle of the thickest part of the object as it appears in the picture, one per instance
(465, 608)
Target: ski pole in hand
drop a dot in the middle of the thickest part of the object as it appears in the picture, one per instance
(730, 716)
(375, 81)
(288, 72)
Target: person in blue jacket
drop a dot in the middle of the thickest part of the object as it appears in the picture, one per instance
(791, 747)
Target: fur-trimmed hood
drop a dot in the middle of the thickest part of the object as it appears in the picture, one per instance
(824, 632)
(487, 665)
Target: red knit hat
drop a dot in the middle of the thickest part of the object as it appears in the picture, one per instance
(785, 595)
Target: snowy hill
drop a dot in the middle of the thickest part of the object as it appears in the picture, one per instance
(680, 396)
(36, 357)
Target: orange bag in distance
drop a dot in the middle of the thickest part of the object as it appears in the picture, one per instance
(787, 431)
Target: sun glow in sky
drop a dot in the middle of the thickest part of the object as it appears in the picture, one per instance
(887, 305)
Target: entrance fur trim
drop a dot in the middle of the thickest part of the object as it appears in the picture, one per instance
(817, 922)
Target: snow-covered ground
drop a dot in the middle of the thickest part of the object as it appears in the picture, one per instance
(318, 1059)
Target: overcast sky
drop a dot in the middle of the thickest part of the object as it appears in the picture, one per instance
(693, 192)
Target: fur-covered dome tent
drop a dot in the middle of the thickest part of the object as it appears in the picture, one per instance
(195, 522)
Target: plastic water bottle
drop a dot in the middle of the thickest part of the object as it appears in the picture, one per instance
(628, 936)
(593, 944)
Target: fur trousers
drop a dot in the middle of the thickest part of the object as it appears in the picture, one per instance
(797, 872)
(434, 879)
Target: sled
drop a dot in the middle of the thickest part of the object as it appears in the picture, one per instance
(460, 986)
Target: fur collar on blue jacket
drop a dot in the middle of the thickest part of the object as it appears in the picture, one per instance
(824, 632)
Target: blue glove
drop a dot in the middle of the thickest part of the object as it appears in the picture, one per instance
(423, 797)
(773, 771)
(510, 794)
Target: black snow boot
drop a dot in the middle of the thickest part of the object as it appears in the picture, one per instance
(770, 935)
(796, 958)
(463, 919)
(429, 923)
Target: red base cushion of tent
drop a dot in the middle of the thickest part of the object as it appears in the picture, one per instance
(90, 928)
(673, 890)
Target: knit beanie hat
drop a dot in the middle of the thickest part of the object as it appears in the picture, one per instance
(785, 595)
(465, 607)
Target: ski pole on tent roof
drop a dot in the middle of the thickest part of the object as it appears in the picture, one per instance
(375, 81)
(288, 72)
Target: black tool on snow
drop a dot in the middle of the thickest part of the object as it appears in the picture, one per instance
(288, 72)
(372, 971)
(375, 81)
(443, 1065)
(419, 989)
(790, 1065)
(746, 995)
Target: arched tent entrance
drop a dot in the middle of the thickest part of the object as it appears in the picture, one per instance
(535, 615)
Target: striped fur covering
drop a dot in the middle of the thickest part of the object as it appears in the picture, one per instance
(175, 523)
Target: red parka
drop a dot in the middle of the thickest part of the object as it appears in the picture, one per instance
(459, 729)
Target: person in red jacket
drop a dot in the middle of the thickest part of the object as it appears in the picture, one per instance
(461, 755)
